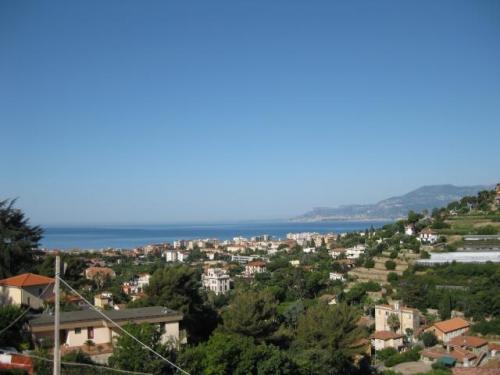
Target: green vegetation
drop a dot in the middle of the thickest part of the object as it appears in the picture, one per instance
(408, 356)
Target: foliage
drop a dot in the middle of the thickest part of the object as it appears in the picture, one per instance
(484, 327)
(386, 353)
(226, 353)
(429, 339)
(129, 355)
(392, 277)
(393, 322)
(252, 313)
(327, 338)
(408, 356)
(12, 336)
(17, 240)
(178, 288)
(487, 230)
(390, 265)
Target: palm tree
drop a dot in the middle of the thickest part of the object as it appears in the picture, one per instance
(393, 322)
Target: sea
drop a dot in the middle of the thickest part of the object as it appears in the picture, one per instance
(131, 236)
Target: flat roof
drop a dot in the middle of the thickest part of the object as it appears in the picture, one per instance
(462, 257)
(116, 315)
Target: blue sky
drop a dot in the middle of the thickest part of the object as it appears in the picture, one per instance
(167, 111)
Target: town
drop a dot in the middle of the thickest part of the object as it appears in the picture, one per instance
(418, 296)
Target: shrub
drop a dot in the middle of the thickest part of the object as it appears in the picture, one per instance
(394, 254)
(408, 356)
(429, 339)
(386, 353)
(392, 277)
(390, 265)
(487, 229)
(369, 263)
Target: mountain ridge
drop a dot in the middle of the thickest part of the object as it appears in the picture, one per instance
(424, 197)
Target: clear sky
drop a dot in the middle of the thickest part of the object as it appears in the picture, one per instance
(168, 111)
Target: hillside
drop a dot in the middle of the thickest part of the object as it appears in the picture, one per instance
(425, 197)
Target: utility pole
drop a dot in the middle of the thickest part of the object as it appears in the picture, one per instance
(57, 344)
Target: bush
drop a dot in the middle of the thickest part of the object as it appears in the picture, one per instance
(394, 254)
(392, 277)
(424, 255)
(408, 356)
(429, 339)
(484, 328)
(386, 353)
(390, 265)
(487, 230)
(369, 263)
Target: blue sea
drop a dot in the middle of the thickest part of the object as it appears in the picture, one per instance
(131, 236)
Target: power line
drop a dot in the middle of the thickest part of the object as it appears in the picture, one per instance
(77, 364)
(122, 329)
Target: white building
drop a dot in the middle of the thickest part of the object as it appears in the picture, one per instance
(355, 251)
(336, 276)
(217, 280)
(309, 250)
(428, 236)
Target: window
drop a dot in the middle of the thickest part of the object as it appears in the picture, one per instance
(78, 331)
(90, 333)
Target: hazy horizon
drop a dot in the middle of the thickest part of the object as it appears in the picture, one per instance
(154, 112)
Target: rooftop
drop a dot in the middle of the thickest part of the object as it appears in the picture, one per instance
(27, 279)
(451, 325)
(116, 315)
(385, 335)
(468, 341)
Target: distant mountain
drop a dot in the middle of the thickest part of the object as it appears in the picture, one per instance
(425, 197)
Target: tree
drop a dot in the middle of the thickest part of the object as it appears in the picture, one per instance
(445, 307)
(390, 265)
(17, 240)
(327, 339)
(393, 322)
(12, 336)
(178, 288)
(429, 339)
(129, 355)
(227, 353)
(252, 314)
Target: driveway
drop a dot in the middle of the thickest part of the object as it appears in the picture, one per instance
(409, 368)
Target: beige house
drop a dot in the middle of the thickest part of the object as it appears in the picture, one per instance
(409, 318)
(255, 266)
(77, 327)
(448, 329)
(386, 339)
(27, 289)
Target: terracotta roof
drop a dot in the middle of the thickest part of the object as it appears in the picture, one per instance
(468, 341)
(385, 335)
(27, 279)
(451, 325)
(475, 371)
(459, 354)
(494, 346)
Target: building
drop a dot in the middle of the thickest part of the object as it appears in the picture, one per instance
(456, 356)
(337, 252)
(355, 251)
(409, 318)
(27, 289)
(448, 329)
(255, 266)
(386, 339)
(334, 276)
(11, 361)
(77, 327)
(93, 273)
(428, 236)
(103, 300)
(474, 344)
(217, 280)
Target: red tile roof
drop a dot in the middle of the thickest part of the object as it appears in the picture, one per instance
(27, 279)
(385, 335)
(468, 341)
(451, 325)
